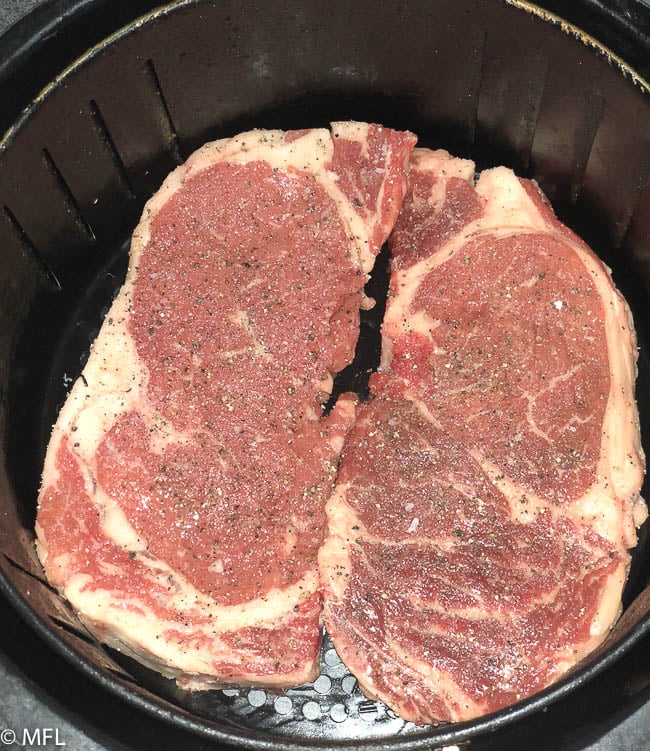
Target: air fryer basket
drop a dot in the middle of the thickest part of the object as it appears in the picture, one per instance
(85, 147)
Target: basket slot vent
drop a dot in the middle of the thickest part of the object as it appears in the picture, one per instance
(634, 225)
(173, 133)
(107, 138)
(41, 220)
(76, 632)
(510, 100)
(458, 116)
(40, 579)
(586, 136)
(567, 128)
(87, 170)
(636, 236)
(67, 194)
(638, 230)
(475, 94)
(616, 172)
(29, 247)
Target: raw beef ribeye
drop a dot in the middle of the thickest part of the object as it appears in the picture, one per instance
(181, 507)
(488, 494)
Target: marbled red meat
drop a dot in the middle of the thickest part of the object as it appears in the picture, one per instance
(488, 494)
(181, 508)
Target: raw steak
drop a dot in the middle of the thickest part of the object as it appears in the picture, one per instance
(181, 507)
(488, 494)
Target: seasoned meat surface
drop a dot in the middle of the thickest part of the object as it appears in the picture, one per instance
(488, 493)
(182, 501)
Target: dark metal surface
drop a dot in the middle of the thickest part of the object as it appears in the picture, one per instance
(41, 689)
(504, 87)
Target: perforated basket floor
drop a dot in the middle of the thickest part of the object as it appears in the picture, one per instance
(483, 78)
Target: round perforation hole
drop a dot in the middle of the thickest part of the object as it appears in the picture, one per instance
(323, 684)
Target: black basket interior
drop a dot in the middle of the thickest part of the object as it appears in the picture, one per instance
(488, 80)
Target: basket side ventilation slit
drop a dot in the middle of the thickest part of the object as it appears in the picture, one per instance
(509, 101)
(40, 579)
(106, 137)
(30, 248)
(164, 107)
(76, 632)
(638, 231)
(636, 215)
(535, 102)
(475, 94)
(68, 196)
(585, 143)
